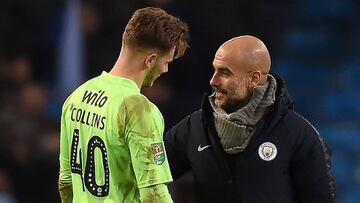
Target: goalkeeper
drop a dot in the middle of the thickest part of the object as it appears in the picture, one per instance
(111, 147)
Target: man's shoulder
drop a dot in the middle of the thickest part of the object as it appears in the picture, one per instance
(297, 122)
(80, 89)
(137, 101)
(193, 118)
(198, 112)
(295, 117)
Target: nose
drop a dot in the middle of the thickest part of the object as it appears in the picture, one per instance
(214, 80)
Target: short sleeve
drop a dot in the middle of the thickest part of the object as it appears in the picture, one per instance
(144, 136)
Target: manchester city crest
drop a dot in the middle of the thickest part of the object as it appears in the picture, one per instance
(267, 151)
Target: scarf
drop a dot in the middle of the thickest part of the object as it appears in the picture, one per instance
(236, 129)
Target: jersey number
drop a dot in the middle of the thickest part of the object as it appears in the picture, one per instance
(89, 176)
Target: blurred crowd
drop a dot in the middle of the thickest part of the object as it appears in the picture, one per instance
(29, 48)
(29, 141)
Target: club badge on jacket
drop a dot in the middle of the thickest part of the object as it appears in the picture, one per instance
(267, 151)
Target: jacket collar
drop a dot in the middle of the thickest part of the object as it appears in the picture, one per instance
(282, 96)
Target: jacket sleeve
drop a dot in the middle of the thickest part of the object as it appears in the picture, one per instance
(311, 168)
(176, 144)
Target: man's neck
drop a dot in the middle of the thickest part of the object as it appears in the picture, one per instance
(130, 69)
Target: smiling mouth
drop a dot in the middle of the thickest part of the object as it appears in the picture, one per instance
(219, 94)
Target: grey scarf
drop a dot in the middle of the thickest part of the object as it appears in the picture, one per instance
(235, 129)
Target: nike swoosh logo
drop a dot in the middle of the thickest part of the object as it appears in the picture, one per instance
(200, 149)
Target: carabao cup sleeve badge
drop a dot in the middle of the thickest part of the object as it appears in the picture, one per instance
(158, 153)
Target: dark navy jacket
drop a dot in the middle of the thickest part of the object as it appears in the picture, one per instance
(299, 170)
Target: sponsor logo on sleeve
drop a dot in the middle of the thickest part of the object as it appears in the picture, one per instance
(267, 151)
(158, 153)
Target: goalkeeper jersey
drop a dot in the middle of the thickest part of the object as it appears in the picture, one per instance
(111, 141)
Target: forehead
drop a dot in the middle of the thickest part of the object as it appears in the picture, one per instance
(224, 59)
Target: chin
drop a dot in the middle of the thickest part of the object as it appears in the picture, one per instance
(219, 103)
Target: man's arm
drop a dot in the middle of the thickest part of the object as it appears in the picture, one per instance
(311, 168)
(64, 183)
(65, 190)
(176, 145)
(155, 194)
(143, 134)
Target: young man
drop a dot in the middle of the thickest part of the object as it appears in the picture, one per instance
(247, 144)
(111, 135)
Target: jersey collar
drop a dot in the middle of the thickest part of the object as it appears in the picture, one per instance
(118, 79)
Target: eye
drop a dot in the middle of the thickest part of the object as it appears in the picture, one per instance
(225, 73)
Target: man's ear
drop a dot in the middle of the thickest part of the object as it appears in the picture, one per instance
(150, 60)
(255, 78)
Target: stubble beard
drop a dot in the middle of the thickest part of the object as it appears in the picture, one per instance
(239, 98)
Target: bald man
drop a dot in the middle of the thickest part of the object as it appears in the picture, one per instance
(246, 144)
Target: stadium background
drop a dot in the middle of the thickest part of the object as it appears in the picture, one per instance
(48, 47)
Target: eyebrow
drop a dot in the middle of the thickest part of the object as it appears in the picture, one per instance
(223, 68)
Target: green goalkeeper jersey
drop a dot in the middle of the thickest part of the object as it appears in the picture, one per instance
(111, 141)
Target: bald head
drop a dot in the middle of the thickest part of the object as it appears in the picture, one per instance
(247, 53)
(240, 65)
